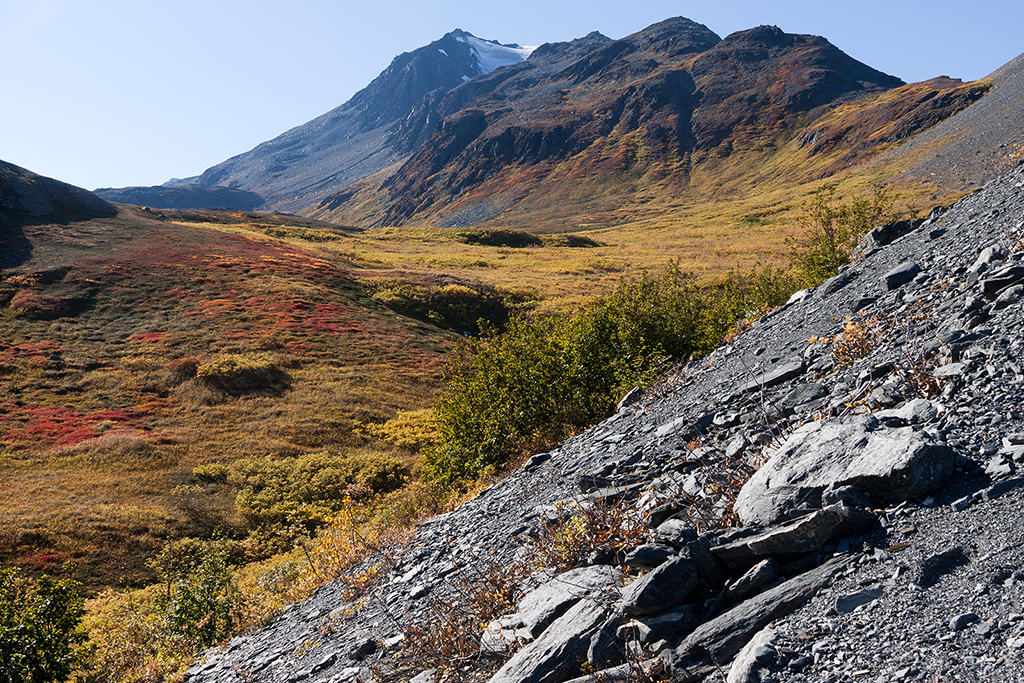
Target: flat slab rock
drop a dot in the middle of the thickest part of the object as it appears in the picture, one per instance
(799, 537)
(720, 639)
(890, 464)
(540, 607)
(554, 656)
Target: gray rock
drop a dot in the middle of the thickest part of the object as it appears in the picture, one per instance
(805, 393)
(890, 464)
(950, 370)
(851, 601)
(1000, 467)
(677, 622)
(756, 578)
(555, 655)
(551, 600)
(606, 647)
(1000, 279)
(850, 496)
(1009, 296)
(648, 555)
(710, 570)
(755, 655)
(664, 588)
(624, 673)
(428, 676)
(989, 255)
(799, 537)
(780, 374)
(675, 532)
(900, 275)
(721, 638)
(916, 411)
(962, 621)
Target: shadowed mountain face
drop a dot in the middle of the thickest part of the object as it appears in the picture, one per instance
(30, 199)
(364, 135)
(183, 197)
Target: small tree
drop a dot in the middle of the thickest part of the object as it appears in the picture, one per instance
(831, 230)
(41, 639)
(203, 603)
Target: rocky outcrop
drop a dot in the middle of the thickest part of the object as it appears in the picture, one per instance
(29, 198)
(898, 523)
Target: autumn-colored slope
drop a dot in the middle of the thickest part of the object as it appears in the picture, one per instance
(102, 417)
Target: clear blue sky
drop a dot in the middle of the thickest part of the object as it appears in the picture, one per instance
(133, 92)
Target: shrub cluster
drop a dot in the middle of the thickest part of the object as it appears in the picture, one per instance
(455, 306)
(239, 373)
(831, 230)
(500, 237)
(544, 378)
(295, 496)
(41, 638)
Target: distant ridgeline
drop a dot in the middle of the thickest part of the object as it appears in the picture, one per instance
(183, 197)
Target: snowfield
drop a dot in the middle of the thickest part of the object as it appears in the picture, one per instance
(491, 56)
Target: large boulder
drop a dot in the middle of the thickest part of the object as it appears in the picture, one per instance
(716, 642)
(556, 655)
(889, 464)
(667, 586)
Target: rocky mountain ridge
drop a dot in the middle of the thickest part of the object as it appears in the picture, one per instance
(465, 131)
(664, 111)
(877, 541)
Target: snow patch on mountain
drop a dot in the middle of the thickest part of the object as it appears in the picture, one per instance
(492, 55)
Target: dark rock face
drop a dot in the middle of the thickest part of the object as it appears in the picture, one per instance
(763, 76)
(667, 586)
(27, 198)
(872, 553)
(183, 197)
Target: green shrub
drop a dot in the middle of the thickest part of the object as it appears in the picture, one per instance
(499, 237)
(545, 378)
(456, 306)
(203, 604)
(298, 495)
(41, 639)
(831, 230)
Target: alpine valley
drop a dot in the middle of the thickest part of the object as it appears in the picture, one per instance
(221, 398)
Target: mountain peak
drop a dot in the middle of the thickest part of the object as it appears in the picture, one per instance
(490, 54)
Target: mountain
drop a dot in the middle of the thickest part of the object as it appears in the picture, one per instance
(670, 109)
(471, 132)
(183, 197)
(27, 198)
(362, 136)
